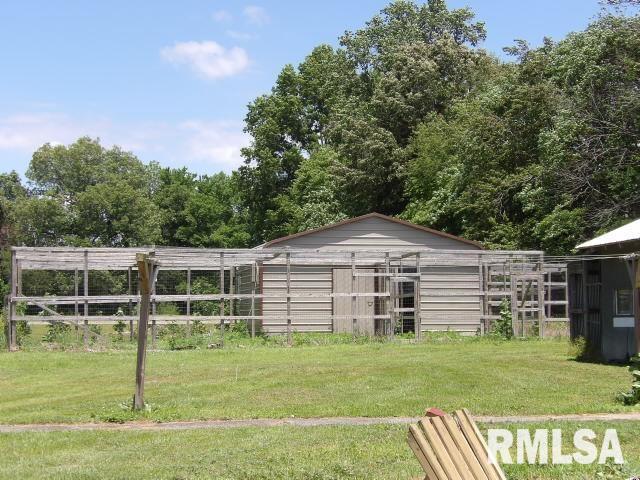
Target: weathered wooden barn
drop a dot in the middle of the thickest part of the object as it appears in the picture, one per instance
(370, 275)
(604, 293)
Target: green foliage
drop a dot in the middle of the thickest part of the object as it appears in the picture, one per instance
(582, 350)
(56, 332)
(633, 396)
(503, 326)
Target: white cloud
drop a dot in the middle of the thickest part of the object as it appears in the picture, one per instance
(208, 59)
(218, 143)
(256, 15)
(222, 16)
(203, 145)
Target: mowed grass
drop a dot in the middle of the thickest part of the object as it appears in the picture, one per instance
(498, 378)
(320, 453)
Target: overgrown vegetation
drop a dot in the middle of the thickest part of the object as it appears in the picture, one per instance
(633, 396)
(503, 326)
(584, 351)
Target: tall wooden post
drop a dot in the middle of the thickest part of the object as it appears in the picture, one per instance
(354, 279)
(130, 290)
(222, 299)
(541, 298)
(417, 301)
(232, 275)
(254, 275)
(12, 327)
(189, 301)
(76, 292)
(636, 302)
(85, 327)
(387, 288)
(145, 277)
(154, 309)
(289, 339)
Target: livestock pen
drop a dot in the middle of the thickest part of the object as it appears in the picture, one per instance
(286, 290)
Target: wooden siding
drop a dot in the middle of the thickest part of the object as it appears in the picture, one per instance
(374, 233)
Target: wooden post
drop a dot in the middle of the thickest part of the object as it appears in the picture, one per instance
(232, 275)
(417, 317)
(12, 327)
(188, 301)
(130, 290)
(514, 298)
(353, 292)
(222, 299)
(289, 339)
(254, 275)
(585, 300)
(541, 298)
(145, 277)
(76, 292)
(387, 286)
(154, 309)
(85, 329)
(636, 303)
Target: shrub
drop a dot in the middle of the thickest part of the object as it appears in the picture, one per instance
(198, 328)
(119, 326)
(633, 396)
(582, 350)
(23, 330)
(56, 331)
(503, 326)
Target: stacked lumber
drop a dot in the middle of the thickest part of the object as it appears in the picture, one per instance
(452, 448)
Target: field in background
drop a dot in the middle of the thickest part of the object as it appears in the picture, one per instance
(371, 379)
(318, 453)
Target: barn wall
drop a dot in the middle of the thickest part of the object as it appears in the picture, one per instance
(374, 233)
(311, 314)
(450, 298)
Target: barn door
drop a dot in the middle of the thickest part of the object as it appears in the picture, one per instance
(365, 306)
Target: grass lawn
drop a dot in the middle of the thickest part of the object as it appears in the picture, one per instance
(392, 379)
(370, 452)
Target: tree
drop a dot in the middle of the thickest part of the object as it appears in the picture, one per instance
(174, 192)
(115, 214)
(364, 101)
(212, 216)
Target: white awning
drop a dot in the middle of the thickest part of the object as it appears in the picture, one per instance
(626, 233)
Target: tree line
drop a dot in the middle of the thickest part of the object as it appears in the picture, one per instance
(407, 116)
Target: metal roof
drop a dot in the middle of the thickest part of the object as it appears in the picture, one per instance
(626, 233)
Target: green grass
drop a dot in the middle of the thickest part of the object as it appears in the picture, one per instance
(374, 379)
(318, 453)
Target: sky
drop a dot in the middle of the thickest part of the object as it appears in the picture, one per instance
(170, 81)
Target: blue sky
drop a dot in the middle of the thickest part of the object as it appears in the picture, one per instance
(170, 80)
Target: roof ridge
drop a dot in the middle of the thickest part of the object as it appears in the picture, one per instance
(347, 221)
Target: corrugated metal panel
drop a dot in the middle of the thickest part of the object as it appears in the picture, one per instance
(374, 233)
(447, 300)
(308, 314)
